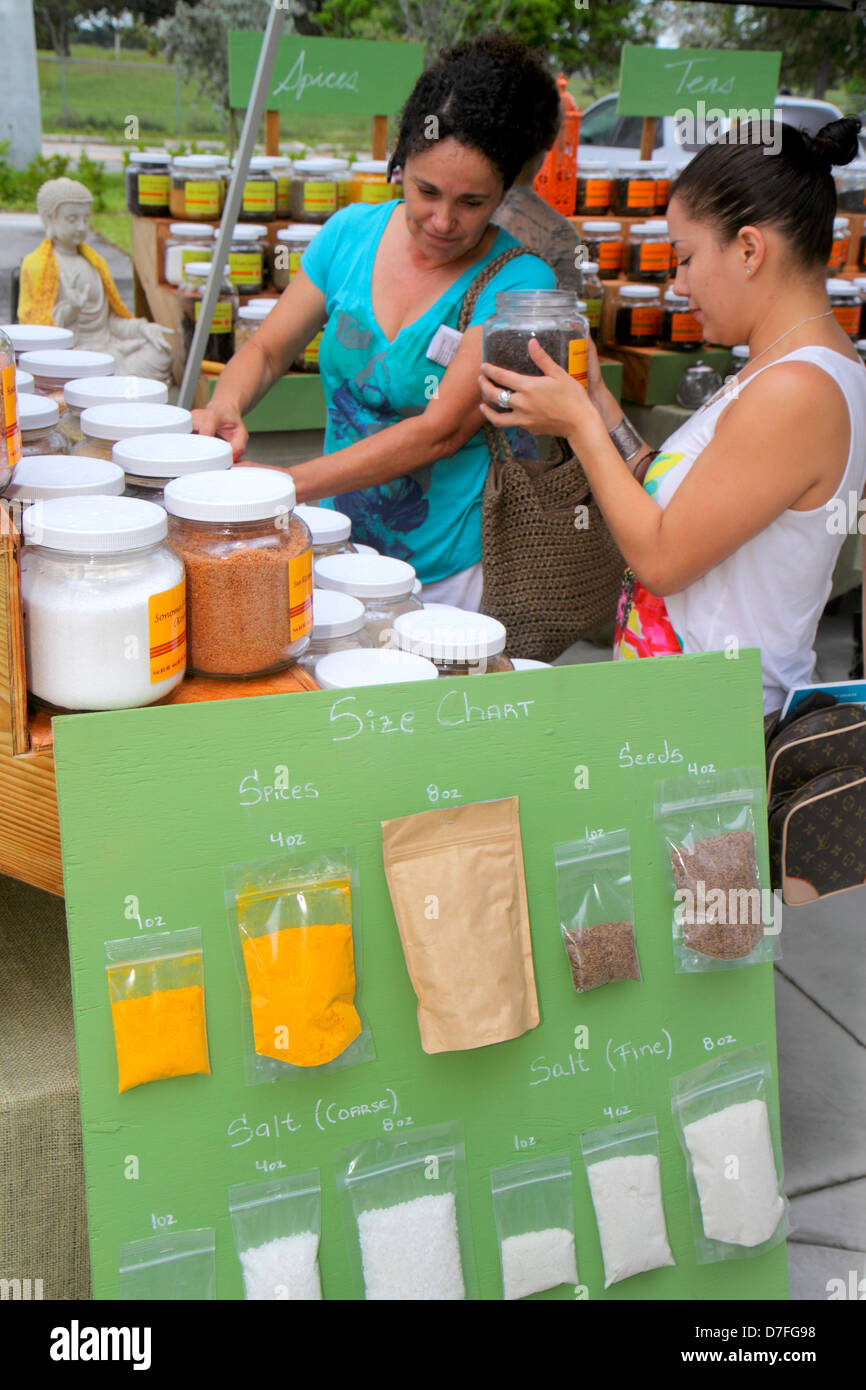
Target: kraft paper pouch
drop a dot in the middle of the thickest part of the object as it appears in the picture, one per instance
(459, 896)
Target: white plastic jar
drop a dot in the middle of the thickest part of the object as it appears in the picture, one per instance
(24, 383)
(338, 626)
(104, 603)
(52, 368)
(42, 476)
(103, 425)
(341, 670)
(329, 529)
(292, 242)
(458, 643)
(81, 394)
(186, 241)
(150, 461)
(26, 337)
(39, 417)
(383, 585)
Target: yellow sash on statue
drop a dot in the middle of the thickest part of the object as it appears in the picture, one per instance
(40, 281)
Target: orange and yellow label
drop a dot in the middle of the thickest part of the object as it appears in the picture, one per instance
(663, 193)
(301, 595)
(593, 312)
(375, 193)
(685, 328)
(848, 317)
(294, 262)
(610, 255)
(260, 195)
(283, 183)
(153, 190)
(222, 316)
(578, 366)
(655, 255)
(596, 193)
(203, 197)
(166, 613)
(641, 193)
(320, 197)
(644, 321)
(9, 419)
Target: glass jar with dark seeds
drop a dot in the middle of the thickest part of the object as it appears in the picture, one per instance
(594, 187)
(549, 316)
(680, 329)
(636, 316)
(634, 189)
(592, 294)
(220, 344)
(603, 241)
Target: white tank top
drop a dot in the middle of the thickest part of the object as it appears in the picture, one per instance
(771, 592)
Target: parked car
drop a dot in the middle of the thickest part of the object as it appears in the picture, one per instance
(616, 139)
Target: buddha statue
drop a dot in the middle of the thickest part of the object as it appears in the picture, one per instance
(65, 282)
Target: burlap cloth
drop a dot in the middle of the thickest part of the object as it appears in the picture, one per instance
(43, 1220)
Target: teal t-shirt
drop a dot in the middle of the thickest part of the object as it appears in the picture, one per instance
(431, 516)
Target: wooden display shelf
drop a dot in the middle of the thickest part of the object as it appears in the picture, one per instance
(650, 376)
(29, 828)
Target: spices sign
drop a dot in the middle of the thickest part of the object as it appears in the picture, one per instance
(357, 77)
(665, 81)
(171, 820)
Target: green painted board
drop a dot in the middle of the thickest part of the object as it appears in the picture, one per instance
(155, 802)
(666, 370)
(663, 81)
(328, 77)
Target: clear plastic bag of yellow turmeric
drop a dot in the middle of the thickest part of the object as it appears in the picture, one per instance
(156, 990)
(294, 936)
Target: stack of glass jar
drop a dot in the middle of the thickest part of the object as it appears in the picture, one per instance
(53, 369)
(220, 344)
(106, 390)
(103, 425)
(382, 584)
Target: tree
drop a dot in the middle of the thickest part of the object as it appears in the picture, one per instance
(57, 20)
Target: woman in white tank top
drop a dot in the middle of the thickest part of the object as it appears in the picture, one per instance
(731, 537)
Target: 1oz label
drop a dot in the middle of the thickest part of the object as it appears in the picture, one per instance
(166, 614)
(9, 421)
(644, 321)
(153, 190)
(311, 351)
(301, 595)
(320, 197)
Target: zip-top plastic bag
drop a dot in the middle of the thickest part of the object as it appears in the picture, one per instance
(622, 1168)
(178, 1266)
(596, 909)
(721, 1116)
(405, 1208)
(293, 924)
(156, 989)
(277, 1225)
(534, 1211)
(706, 827)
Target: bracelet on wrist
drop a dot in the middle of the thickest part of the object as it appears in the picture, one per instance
(627, 440)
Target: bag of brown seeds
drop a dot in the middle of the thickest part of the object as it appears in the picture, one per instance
(706, 824)
(596, 909)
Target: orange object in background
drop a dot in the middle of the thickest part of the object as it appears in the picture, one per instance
(556, 180)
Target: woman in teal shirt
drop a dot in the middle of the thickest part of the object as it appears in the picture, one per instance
(404, 453)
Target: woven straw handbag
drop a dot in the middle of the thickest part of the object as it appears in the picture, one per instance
(552, 571)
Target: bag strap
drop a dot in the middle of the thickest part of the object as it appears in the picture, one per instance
(482, 280)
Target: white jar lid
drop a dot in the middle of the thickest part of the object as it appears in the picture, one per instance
(237, 494)
(197, 161)
(37, 412)
(248, 231)
(335, 615)
(841, 224)
(370, 666)
(740, 350)
(261, 163)
(298, 231)
(56, 475)
(23, 382)
(201, 268)
(364, 549)
(125, 419)
(94, 525)
(320, 166)
(192, 229)
(581, 306)
(37, 335)
(150, 157)
(860, 282)
(639, 229)
(67, 364)
(842, 287)
(657, 225)
(171, 455)
(526, 663)
(671, 297)
(612, 228)
(589, 267)
(640, 291)
(457, 637)
(112, 390)
(369, 166)
(250, 314)
(641, 165)
(326, 525)
(591, 164)
(365, 576)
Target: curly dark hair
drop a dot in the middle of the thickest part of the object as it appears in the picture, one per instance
(493, 94)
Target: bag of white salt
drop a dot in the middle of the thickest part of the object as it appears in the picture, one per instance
(534, 1211)
(622, 1167)
(276, 1226)
(721, 1114)
(405, 1212)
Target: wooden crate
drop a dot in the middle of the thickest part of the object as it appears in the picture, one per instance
(29, 829)
(650, 376)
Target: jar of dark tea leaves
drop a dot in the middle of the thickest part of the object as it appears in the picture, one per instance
(636, 315)
(594, 187)
(604, 242)
(551, 317)
(634, 188)
(220, 343)
(679, 329)
(592, 295)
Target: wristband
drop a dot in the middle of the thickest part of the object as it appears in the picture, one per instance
(626, 439)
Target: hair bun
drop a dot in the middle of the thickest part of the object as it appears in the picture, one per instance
(835, 143)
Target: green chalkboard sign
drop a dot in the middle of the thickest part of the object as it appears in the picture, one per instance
(353, 77)
(155, 803)
(664, 81)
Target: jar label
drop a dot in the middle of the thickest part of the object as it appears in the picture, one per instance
(609, 255)
(283, 182)
(578, 366)
(593, 312)
(663, 193)
(203, 197)
(294, 262)
(644, 320)
(245, 267)
(655, 255)
(222, 316)
(320, 197)
(153, 190)
(848, 317)
(311, 351)
(260, 195)
(301, 595)
(641, 193)
(685, 328)
(596, 193)
(375, 192)
(188, 254)
(9, 419)
(166, 614)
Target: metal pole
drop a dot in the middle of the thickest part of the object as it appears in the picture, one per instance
(219, 259)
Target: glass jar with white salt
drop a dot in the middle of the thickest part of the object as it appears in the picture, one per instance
(104, 603)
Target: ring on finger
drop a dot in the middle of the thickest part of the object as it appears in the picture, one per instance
(504, 397)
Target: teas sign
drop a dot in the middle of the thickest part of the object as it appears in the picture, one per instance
(327, 76)
(663, 81)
